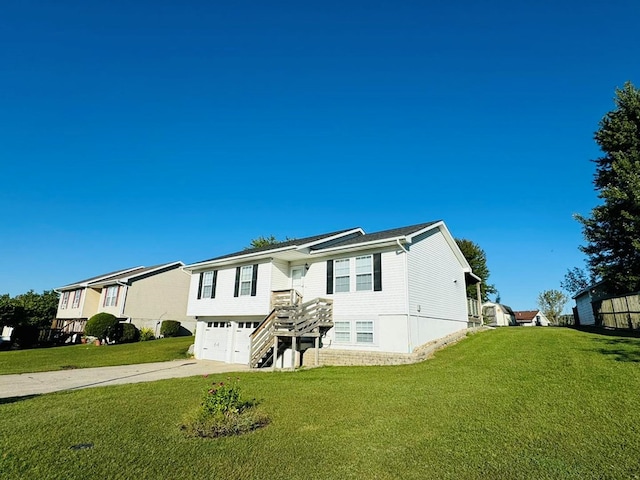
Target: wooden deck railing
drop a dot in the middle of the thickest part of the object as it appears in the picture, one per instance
(473, 310)
(292, 320)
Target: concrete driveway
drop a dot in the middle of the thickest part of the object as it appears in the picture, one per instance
(23, 384)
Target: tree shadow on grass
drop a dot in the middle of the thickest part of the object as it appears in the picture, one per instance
(622, 345)
(8, 400)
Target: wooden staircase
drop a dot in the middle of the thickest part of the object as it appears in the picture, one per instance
(289, 321)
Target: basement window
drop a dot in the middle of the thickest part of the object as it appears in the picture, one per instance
(364, 332)
(343, 332)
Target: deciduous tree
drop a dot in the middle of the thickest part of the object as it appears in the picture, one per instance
(551, 303)
(261, 241)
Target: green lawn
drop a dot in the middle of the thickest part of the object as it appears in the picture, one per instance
(83, 356)
(513, 403)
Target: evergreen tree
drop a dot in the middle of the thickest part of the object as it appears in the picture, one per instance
(478, 261)
(612, 231)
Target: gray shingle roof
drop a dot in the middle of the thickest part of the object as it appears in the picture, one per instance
(117, 275)
(349, 240)
(104, 276)
(384, 234)
(279, 245)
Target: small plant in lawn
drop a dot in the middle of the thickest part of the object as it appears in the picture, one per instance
(223, 413)
(146, 334)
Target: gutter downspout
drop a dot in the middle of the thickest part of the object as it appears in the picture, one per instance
(124, 297)
(406, 268)
(400, 245)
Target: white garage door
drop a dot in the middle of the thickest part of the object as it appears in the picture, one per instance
(242, 341)
(216, 339)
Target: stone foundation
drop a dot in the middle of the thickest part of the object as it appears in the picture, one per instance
(331, 356)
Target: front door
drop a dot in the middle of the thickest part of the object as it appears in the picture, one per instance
(297, 279)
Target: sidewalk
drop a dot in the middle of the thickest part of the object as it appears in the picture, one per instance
(19, 385)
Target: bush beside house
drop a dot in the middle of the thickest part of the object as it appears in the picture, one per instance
(170, 328)
(100, 325)
(129, 333)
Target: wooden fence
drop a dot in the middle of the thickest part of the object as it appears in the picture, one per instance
(618, 312)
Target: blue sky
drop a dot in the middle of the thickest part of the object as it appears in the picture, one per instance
(137, 133)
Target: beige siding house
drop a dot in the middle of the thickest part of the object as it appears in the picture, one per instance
(144, 296)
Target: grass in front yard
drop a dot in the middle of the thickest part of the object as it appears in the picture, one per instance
(83, 356)
(514, 403)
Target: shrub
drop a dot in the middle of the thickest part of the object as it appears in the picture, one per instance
(169, 328)
(146, 334)
(129, 333)
(223, 413)
(100, 325)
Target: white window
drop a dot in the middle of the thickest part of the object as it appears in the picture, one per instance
(343, 332)
(207, 284)
(364, 332)
(341, 273)
(364, 273)
(65, 300)
(245, 280)
(76, 298)
(111, 297)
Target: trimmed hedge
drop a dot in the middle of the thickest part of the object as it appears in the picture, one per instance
(169, 328)
(129, 333)
(100, 325)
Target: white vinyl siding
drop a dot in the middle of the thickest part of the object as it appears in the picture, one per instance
(364, 273)
(341, 273)
(226, 304)
(585, 310)
(437, 292)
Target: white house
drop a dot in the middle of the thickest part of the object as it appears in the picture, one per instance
(389, 291)
(143, 296)
(584, 299)
(531, 318)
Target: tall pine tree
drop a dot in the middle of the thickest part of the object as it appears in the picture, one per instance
(612, 231)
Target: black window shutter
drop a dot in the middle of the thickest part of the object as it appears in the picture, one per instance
(213, 286)
(200, 286)
(329, 276)
(254, 280)
(237, 287)
(377, 272)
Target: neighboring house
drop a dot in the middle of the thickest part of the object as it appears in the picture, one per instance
(584, 300)
(389, 291)
(531, 318)
(498, 315)
(144, 296)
